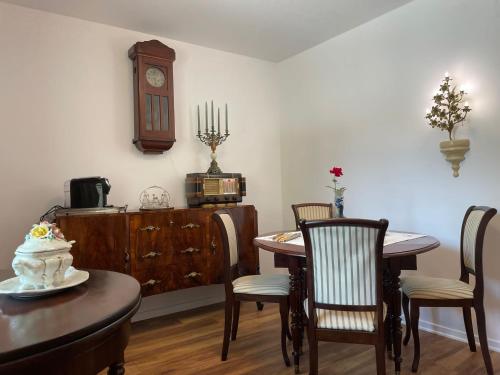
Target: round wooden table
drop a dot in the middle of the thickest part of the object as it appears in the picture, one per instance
(397, 257)
(79, 331)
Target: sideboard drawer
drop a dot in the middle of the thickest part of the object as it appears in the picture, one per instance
(154, 281)
(190, 229)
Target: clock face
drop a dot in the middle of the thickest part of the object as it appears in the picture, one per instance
(155, 77)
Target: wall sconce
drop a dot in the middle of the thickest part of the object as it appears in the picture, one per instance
(450, 110)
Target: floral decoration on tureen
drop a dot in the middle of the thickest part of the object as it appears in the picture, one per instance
(45, 230)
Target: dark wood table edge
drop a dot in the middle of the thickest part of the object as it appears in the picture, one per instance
(290, 249)
(25, 364)
(72, 337)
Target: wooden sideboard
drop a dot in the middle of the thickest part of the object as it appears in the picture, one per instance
(164, 250)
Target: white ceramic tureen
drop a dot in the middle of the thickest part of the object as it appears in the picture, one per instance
(42, 260)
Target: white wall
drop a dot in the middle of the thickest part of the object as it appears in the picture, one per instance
(66, 107)
(359, 101)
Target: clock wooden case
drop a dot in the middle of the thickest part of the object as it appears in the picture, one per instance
(154, 121)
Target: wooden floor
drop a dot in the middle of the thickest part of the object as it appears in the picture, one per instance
(190, 343)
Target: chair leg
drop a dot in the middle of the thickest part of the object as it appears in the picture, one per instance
(483, 339)
(469, 329)
(414, 316)
(236, 318)
(260, 306)
(227, 328)
(406, 305)
(380, 354)
(284, 308)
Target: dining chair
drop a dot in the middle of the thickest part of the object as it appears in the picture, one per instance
(424, 291)
(344, 284)
(255, 288)
(312, 211)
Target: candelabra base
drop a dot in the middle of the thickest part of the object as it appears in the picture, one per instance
(214, 168)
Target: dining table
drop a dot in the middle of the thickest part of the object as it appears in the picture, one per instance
(397, 256)
(79, 331)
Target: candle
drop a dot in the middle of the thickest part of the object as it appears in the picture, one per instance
(466, 104)
(446, 75)
(212, 116)
(199, 132)
(206, 118)
(427, 111)
(218, 121)
(226, 120)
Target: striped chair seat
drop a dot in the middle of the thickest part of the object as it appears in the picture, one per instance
(277, 285)
(345, 320)
(424, 287)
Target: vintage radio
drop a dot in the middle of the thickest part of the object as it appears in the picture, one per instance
(212, 190)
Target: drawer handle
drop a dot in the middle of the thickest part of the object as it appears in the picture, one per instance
(192, 275)
(213, 246)
(190, 226)
(127, 260)
(151, 254)
(190, 250)
(151, 282)
(149, 228)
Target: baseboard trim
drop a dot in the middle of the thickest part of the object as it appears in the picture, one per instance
(455, 334)
(174, 302)
(167, 310)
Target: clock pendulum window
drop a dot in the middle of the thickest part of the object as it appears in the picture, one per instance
(154, 125)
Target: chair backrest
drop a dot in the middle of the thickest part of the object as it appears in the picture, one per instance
(312, 211)
(344, 265)
(476, 220)
(230, 245)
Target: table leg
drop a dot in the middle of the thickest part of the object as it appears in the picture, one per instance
(387, 282)
(388, 330)
(116, 369)
(296, 309)
(396, 320)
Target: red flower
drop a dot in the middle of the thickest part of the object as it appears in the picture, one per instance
(337, 171)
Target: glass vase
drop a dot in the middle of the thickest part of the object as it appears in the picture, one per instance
(339, 204)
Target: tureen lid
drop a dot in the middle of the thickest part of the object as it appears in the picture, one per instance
(36, 245)
(44, 237)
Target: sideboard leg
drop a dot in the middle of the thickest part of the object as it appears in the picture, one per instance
(260, 306)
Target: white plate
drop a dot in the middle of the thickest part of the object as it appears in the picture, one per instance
(72, 277)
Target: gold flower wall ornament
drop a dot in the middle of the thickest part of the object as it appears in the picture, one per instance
(449, 109)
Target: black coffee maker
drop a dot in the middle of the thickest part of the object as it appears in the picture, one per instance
(88, 192)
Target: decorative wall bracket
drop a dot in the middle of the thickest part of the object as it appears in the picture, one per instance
(454, 152)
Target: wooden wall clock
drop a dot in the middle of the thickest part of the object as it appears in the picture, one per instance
(154, 123)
